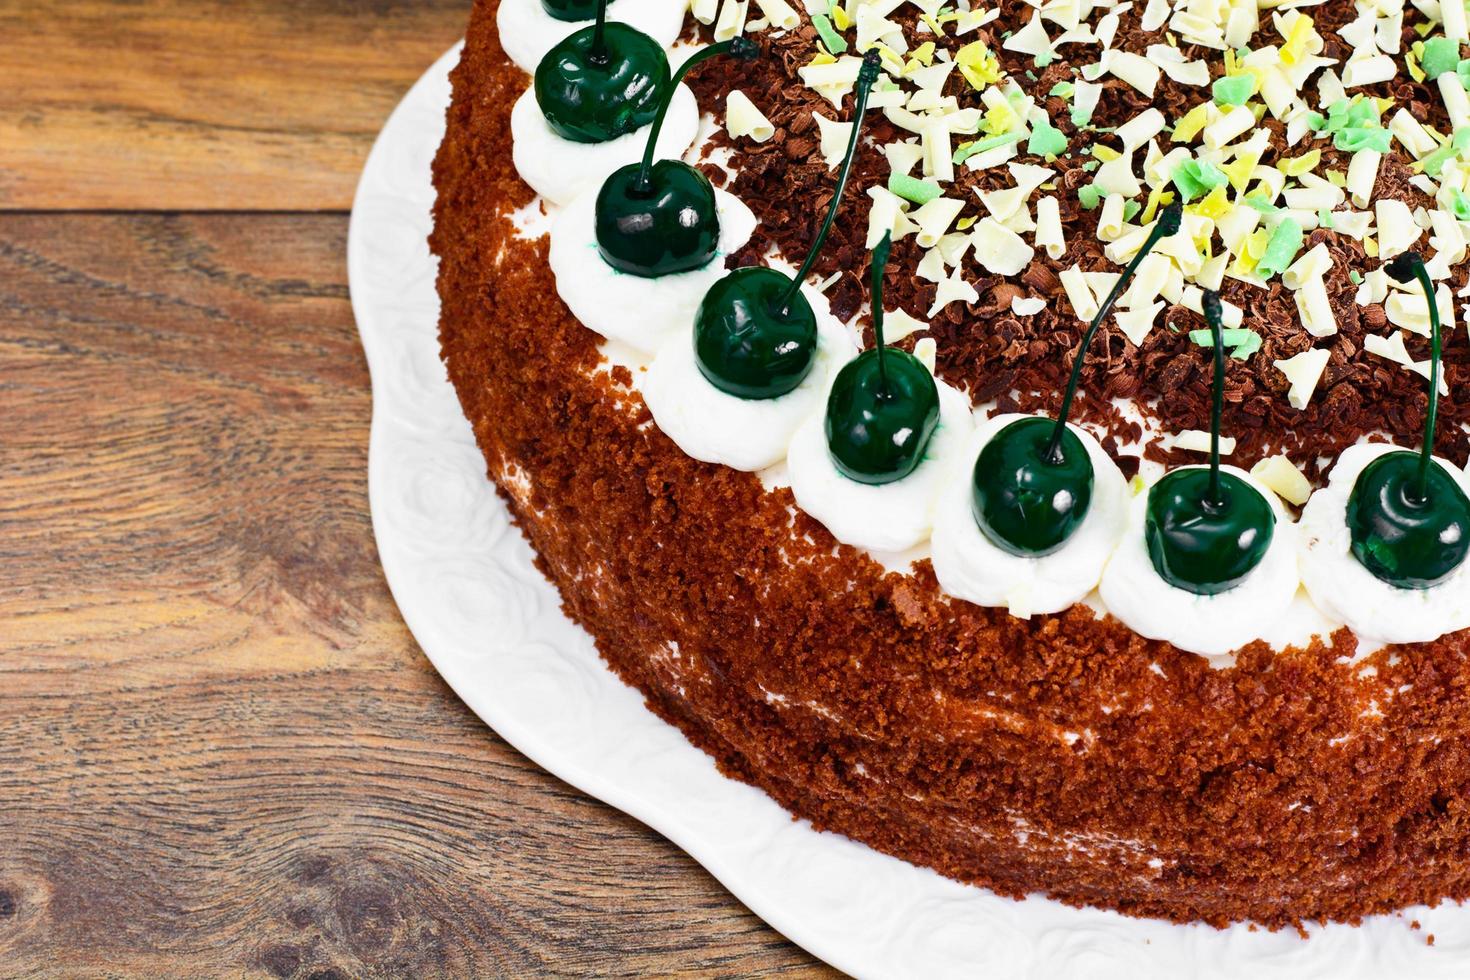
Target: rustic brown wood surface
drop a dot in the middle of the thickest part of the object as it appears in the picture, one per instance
(221, 751)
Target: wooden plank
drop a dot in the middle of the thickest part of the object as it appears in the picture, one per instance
(204, 104)
(220, 750)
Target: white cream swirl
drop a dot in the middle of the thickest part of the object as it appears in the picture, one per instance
(971, 567)
(743, 433)
(890, 517)
(559, 169)
(1345, 590)
(642, 313)
(1209, 625)
(527, 31)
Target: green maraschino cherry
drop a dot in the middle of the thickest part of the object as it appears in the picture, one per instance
(1207, 530)
(572, 10)
(755, 335)
(1032, 483)
(601, 82)
(1408, 519)
(884, 405)
(654, 219)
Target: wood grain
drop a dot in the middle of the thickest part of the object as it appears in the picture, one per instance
(204, 104)
(221, 752)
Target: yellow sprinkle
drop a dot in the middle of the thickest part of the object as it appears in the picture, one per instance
(978, 65)
(822, 58)
(1412, 63)
(924, 53)
(1191, 123)
(1424, 27)
(1304, 164)
(889, 57)
(1384, 104)
(840, 20)
(934, 24)
(1240, 170)
(1370, 246)
(1297, 40)
(1105, 153)
(1337, 178)
(1157, 198)
(999, 118)
(1212, 205)
(964, 223)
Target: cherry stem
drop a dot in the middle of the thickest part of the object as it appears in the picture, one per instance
(867, 75)
(1404, 267)
(597, 51)
(1213, 316)
(880, 263)
(741, 47)
(1166, 225)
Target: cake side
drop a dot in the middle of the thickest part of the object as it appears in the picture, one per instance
(1064, 754)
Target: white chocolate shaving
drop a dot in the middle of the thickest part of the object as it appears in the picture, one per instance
(742, 118)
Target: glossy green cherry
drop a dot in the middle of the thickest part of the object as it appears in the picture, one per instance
(744, 346)
(1408, 519)
(881, 414)
(670, 225)
(570, 10)
(601, 82)
(884, 405)
(1408, 539)
(654, 219)
(1027, 502)
(755, 335)
(1207, 530)
(1203, 539)
(1032, 483)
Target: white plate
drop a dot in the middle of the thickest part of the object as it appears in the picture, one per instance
(492, 626)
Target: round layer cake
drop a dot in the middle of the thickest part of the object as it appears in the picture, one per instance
(1314, 772)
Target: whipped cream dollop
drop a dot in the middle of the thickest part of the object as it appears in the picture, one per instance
(742, 433)
(527, 31)
(1345, 590)
(559, 169)
(642, 313)
(889, 517)
(1209, 625)
(971, 567)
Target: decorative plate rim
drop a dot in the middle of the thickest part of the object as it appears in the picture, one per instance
(463, 579)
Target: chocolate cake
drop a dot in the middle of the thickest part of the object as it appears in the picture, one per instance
(1326, 778)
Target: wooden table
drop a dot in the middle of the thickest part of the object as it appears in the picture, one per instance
(221, 752)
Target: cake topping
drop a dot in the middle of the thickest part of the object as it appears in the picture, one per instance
(1409, 518)
(1032, 483)
(755, 335)
(653, 219)
(1207, 530)
(600, 82)
(884, 404)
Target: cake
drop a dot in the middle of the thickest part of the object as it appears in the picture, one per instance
(1290, 746)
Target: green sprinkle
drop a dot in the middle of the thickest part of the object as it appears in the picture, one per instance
(1281, 250)
(1080, 118)
(1232, 90)
(1324, 218)
(1242, 342)
(1091, 165)
(1355, 276)
(967, 150)
(1062, 90)
(1262, 204)
(835, 42)
(1194, 178)
(1316, 121)
(913, 189)
(1460, 205)
(1046, 140)
(1440, 55)
(1042, 60)
(1355, 138)
(1089, 196)
(1131, 208)
(1463, 70)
